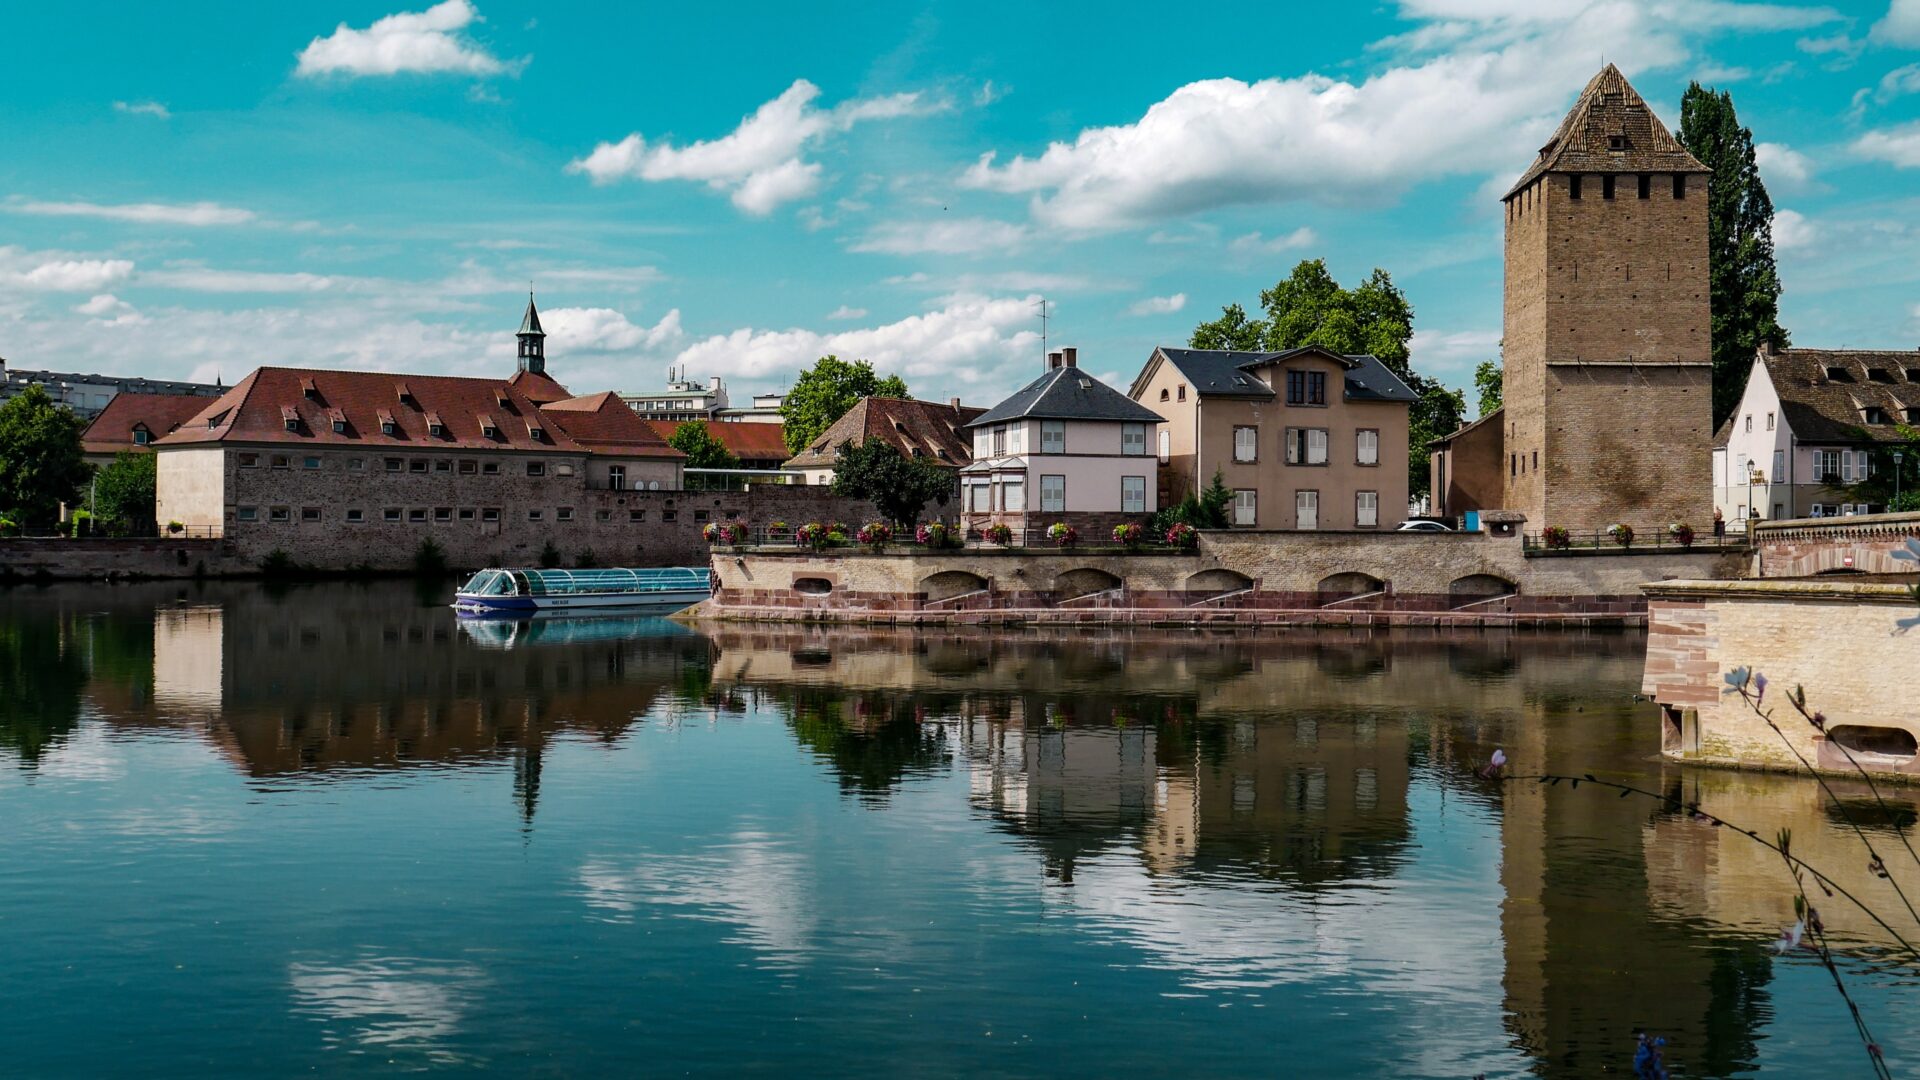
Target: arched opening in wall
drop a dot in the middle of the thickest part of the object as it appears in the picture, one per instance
(1477, 587)
(812, 586)
(1875, 746)
(1839, 571)
(811, 656)
(1336, 587)
(1218, 581)
(948, 584)
(1083, 582)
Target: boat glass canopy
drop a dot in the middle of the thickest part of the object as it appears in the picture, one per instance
(495, 582)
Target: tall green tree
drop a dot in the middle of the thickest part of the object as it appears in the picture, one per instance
(40, 461)
(123, 493)
(899, 485)
(1309, 307)
(1743, 283)
(703, 450)
(824, 392)
(1490, 380)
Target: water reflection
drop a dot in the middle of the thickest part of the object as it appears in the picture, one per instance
(1237, 815)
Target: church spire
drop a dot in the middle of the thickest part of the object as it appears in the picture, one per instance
(533, 340)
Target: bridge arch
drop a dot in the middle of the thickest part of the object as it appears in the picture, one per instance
(1474, 588)
(1349, 583)
(948, 584)
(1082, 581)
(1218, 580)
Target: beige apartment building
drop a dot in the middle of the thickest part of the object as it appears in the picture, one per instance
(1305, 439)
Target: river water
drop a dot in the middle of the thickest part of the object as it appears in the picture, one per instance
(331, 829)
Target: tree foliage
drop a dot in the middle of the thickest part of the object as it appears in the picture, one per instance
(1489, 379)
(703, 450)
(123, 493)
(40, 462)
(824, 392)
(899, 485)
(1207, 510)
(1309, 307)
(1744, 284)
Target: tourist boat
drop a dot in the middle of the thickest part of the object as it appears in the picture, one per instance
(514, 630)
(500, 592)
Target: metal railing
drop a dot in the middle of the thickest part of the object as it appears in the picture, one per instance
(1033, 537)
(187, 532)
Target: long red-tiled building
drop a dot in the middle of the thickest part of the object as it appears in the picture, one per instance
(312, 462)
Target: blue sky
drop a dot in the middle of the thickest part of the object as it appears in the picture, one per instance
(739, 188)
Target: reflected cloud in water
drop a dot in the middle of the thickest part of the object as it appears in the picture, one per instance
(389, 1004)
(755, 883)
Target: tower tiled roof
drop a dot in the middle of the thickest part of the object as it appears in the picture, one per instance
(924, 429)
(1611, 129)
(530, 322)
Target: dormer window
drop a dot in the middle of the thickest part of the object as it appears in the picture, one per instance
(1879, 375)
(1873, 414)
(387, 426)
(308, 390)
(434, 427)
(141, 436)
(536, 433)
(216, 420)
(405, 395)
(488, 429)
(1913, 416)
(1616, 142)
(1913, 374)
(339, 426)
(289, 418)
(1838, 374)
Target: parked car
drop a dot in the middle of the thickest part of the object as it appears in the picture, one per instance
(1422, 526)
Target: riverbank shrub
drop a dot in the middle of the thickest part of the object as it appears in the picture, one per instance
(176, 527)
(1128, 535)
(429, 560)
(81, 523)
(1063, 535)
(1183, 536)
(550, 557)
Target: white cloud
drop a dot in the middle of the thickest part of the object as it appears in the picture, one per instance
(103, 306)
(424, 42)
(1899, 81)
(1839, 45)
(1453, 354)
(1783, 167)
(606, 330)
(1158, 305)
(193, 214)
(74, 275)
(1467, 97)
(1253, 242)
(1901, 26)
(1898, 146)
(208, 279)
(845, 312)
(943, 236)
(1022, 281)
(1792, 230)
(759, 164)
(143, 108)
(963, 341)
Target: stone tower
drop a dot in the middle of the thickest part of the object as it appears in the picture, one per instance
(533, 341)
(1608, 392)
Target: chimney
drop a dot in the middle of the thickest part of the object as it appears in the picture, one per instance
(954, 404)
(1069, 357)
(1053, 360)
(1770, 347)
(713, 383)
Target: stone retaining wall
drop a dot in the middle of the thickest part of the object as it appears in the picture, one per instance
(1235, 579)
(108, 558)
(1836, 638)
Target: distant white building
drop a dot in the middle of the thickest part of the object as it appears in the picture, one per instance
(681, 400)
(1813, 424)
(87, 395)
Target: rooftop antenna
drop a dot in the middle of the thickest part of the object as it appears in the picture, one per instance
(1042, 305)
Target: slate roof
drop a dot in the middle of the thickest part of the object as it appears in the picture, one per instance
(1224, 373)
(1067, 393)
(931, 428)
(762, 445)
(1609, 107)
(112, 431)
(257, 408)
(1824, 392)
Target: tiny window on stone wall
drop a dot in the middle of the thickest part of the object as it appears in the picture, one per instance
(279, 461)
(466, 513)
(564, 513)
(391, 513)
(355, 464)
(699, 515)
(279, 513)
(563, 469)
(394, 464)
(603, 515)
(309, 513)
(310, 463)
(356, 516)
(418, 465)
(442, 465)
(491, 468)
(491, 513)
(469, 467)
(249, 461)
(636, 515)
(666, 515)
(536, 468)
(417, 516)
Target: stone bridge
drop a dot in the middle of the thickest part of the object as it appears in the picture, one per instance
(1235, 577)
(1805, 547)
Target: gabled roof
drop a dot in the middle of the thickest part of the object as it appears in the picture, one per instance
(1824, 392)
(929, 430)
(1067, 393)
(1227, 373)
(746, 441)
(112, 431)
(255, 411)
(538, 387)
(602, 423)
(1609, 109)
(1493, 417)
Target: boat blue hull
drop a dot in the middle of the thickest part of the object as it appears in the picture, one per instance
(468, 604)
